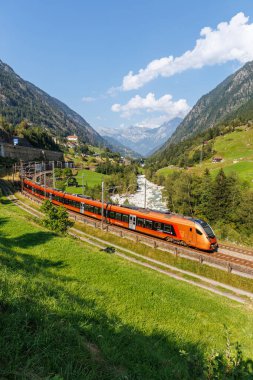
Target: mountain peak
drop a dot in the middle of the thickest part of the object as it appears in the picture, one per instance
(218, 104)
(143, 140)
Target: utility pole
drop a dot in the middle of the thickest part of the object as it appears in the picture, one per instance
(53, 175)
(45, 178)
(13, 174)
(21, 176)
(83, 184)
(102, 208)
(35, 171)
(145, 193)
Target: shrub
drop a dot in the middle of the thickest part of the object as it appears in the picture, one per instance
(56, 218)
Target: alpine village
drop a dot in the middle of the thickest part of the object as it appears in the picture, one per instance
(126, 252)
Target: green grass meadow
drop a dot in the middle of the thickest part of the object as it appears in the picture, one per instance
(91, 179)
(235, 145)
(69, 311)
(236, 150)
(167, 171)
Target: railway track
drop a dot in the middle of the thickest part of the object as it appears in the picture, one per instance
(230, 261)
(242, 250)
(224, 290)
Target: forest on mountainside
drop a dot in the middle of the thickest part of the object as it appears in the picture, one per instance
(34, 135)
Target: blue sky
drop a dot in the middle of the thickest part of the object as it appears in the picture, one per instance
(131, 62)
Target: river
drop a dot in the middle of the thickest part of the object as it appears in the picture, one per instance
(153, 195)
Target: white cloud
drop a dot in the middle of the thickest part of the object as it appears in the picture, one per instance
(113, 91)
(88, 99)
(165, 104)
(231, 40)
(153, 122)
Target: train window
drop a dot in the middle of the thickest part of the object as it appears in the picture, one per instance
(157, 226)
(140, 222)
(96, 210)
(91, 208)
(169, 229)
(112, 214)
(149, 224)
(198, 232)
(118, 216)
(125, 218)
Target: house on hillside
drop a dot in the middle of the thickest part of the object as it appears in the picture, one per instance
(72, 141)
(72, 138)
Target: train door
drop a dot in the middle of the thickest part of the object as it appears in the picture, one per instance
(132, 222)
(50, 197)
(191, 236)
(82, 208)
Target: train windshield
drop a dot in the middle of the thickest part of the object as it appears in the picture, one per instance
(208, 230)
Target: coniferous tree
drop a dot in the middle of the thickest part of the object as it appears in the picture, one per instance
(205, 206)
(219, 195)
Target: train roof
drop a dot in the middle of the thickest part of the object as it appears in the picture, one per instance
(127, 209)
(154, 214)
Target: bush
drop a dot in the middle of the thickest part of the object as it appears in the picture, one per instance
(56, 218)
(229, 364)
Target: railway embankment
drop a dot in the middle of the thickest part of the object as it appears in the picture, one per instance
(71, 310)
(158, 257)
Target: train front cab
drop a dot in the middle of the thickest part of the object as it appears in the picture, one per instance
(205, 236)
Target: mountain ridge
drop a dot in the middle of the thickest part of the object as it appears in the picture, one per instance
(216, 106)
(21, 99)
(142, 140)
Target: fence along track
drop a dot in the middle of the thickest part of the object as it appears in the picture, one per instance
(222, 261)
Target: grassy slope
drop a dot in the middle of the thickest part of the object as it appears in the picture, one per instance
(236, 149)
(167, 171)
(68, 309)
(90, 178)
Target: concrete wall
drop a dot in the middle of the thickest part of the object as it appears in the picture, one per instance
(29, 154)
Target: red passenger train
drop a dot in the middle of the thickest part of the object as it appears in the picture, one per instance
(168, 226)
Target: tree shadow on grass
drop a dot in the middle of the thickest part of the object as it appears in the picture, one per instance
(3, 221)
(5, 201)
(51, 325)
(55, 331)
(24, 262)
(32, 239)
(48, 329)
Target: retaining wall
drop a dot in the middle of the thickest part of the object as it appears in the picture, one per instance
(29, 154)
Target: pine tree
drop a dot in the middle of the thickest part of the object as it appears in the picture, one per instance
(206, 203)
(218, 197)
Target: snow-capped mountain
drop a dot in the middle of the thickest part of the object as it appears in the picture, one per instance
(142, 140)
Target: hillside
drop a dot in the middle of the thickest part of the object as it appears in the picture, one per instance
(234, 150)
(21, 100)
(231, 98)
(96, 316)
